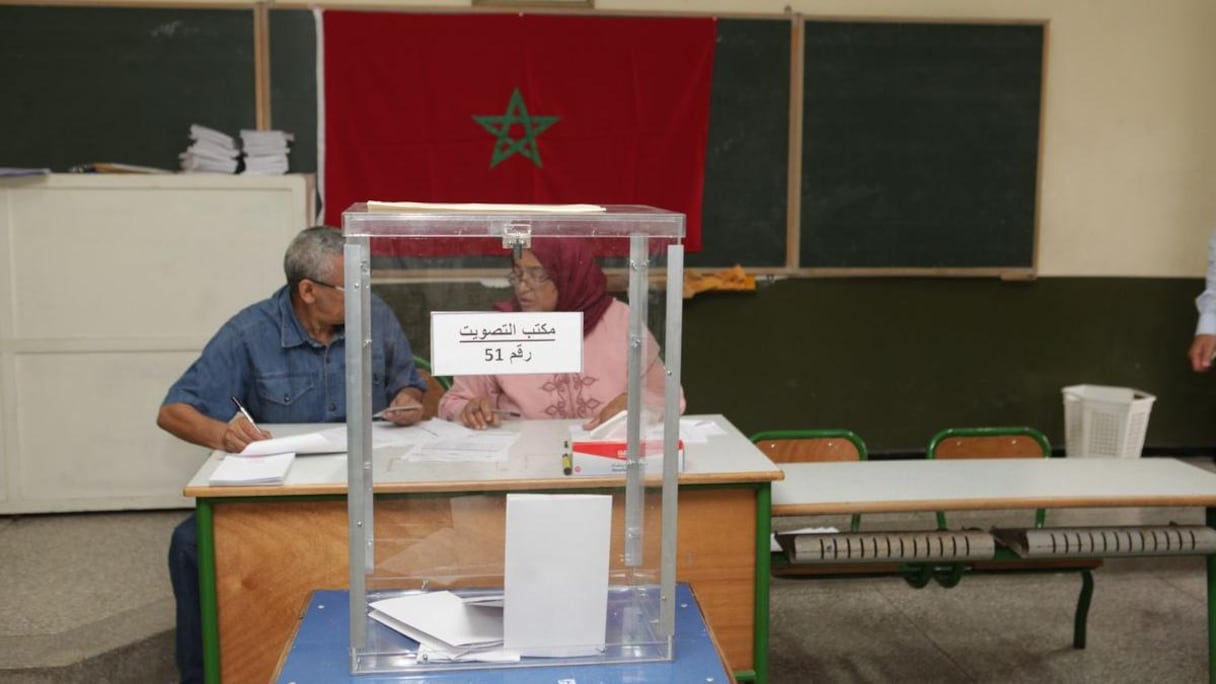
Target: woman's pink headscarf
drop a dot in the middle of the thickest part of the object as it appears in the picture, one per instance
(581, 285)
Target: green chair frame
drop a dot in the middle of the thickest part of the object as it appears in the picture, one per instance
(1040, 515)
(818, 435)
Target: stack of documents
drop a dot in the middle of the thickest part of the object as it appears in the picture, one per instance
(210, 151)
(447, 626)
(236, 470)
(265, 151)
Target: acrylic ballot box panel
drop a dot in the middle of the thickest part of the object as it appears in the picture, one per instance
(531, 566)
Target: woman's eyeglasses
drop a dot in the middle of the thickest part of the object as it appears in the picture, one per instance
(531, 276)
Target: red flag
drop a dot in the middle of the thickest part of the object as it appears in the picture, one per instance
(516, 108)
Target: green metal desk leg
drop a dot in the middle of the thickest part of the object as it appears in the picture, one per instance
(206, 586)
(1210, 519)
(764, 530)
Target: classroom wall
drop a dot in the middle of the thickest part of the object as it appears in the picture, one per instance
(1129, 116)
(1129, 125)
(1128, 166)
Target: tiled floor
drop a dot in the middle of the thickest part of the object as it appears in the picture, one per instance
(86, 598)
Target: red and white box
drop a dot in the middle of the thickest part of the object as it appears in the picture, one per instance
(608, 457)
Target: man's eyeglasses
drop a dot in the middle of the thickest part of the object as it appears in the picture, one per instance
(532, 276)
(322, 283)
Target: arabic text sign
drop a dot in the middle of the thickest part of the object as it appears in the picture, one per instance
(506, 343)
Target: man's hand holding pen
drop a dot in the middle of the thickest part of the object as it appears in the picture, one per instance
(405, 409)
(241, 430)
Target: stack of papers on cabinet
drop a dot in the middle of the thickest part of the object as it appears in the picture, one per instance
(446, 626)
(237, 470)
(265, 151)
(210, 152)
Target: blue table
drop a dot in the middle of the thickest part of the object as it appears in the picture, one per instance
(318, 654)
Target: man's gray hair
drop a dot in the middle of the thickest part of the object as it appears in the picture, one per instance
(310, 255)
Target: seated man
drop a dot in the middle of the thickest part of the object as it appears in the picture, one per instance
(284, 360)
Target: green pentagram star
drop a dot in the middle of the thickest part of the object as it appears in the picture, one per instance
(500, 128)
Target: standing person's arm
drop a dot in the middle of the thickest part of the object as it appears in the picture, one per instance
(1204, 345)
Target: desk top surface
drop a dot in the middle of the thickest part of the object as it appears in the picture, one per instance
(319, 654)
(987, 484)
(534, 462)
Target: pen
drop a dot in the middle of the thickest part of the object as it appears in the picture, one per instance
(244, 412)
(567, 461)
(394, 409)
(508, 414)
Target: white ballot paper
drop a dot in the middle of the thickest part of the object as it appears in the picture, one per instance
(331, 440)
(445, 625)
(236, 470)
(556, 574)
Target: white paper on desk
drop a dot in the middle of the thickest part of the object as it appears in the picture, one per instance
(234, 470)
(556, 574)
(328, 441)
(485, 446)
(333, 440)
(437, 427)
(692, 430)
(482, 207)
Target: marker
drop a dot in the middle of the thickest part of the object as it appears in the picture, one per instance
(241, 407)
(567, 461)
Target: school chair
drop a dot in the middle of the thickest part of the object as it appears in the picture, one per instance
(807, 446)
(1011, 442)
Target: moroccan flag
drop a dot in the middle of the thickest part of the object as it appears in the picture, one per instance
(516, 108)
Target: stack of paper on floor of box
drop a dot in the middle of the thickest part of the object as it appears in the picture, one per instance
(446, 626)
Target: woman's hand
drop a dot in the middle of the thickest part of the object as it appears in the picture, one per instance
(479, 414)
(610, 409)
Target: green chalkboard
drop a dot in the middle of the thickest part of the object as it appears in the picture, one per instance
(101, 84)
(746, 166)
(920, 145)
(293, 84)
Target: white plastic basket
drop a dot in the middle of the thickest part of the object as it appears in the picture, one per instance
(1105, 422)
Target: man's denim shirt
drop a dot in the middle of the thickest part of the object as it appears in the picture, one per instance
(263, 357)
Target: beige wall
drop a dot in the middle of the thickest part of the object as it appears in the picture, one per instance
(1129, 138)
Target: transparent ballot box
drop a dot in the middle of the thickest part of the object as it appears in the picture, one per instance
(534, 541)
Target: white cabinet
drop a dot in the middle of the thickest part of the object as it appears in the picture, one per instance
(110, 286)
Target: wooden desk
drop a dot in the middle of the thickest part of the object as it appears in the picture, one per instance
(263, 550)
(991, 484)
(318, 654)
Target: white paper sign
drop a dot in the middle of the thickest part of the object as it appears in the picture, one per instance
(506, 343)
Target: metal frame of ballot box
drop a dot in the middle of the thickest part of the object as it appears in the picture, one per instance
(641, 596)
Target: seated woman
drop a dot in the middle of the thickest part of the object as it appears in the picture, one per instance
(560, 274)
